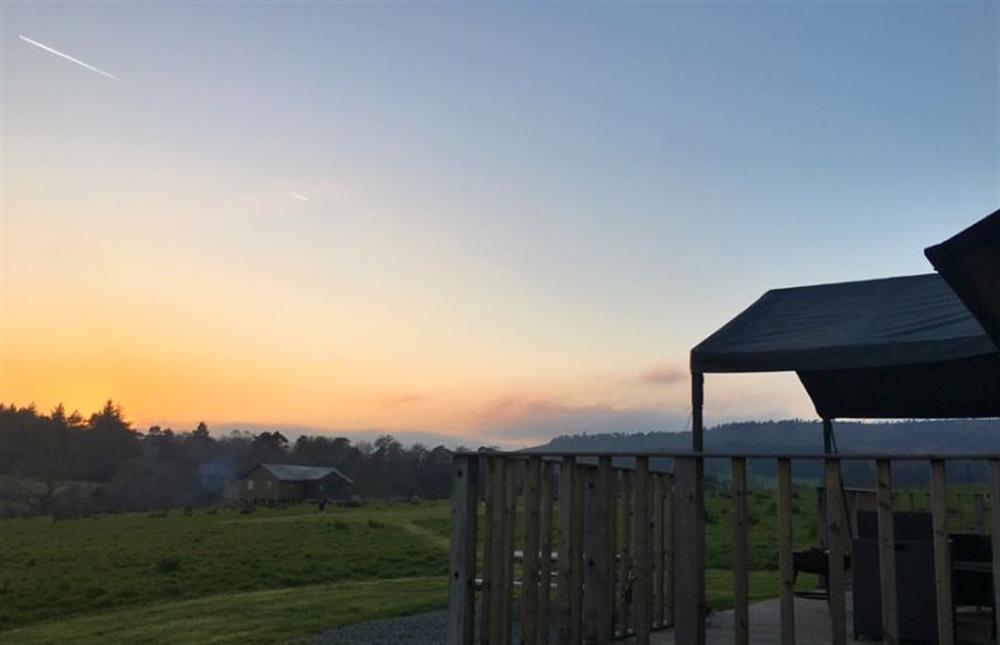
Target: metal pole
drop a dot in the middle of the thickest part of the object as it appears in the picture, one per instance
(697, 406)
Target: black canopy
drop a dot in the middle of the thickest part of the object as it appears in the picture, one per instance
(890, 348)
(970, 262)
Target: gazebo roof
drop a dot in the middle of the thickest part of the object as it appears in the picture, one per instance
(873, 323)
(970, 262)
(903, 347)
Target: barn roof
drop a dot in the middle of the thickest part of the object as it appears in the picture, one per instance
(293, 473)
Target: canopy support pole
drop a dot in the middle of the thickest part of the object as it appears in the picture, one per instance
(828, 436)
(697, 406)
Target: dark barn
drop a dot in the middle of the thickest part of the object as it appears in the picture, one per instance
(282, 483)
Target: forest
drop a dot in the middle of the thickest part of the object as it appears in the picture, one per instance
(67, 464)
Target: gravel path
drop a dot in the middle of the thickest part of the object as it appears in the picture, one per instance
(419, 629)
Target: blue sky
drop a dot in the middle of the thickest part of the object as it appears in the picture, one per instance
(515, 210)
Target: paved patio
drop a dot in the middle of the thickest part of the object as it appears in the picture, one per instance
(812, 624)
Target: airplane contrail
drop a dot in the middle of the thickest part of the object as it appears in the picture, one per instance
(299, 197)
(67, 57)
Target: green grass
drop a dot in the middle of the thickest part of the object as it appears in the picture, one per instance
(273, 615)
(56, 569)
(763, 538)
(763, 584)
(277, 575)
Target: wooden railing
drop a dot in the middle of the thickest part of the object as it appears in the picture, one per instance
(603, 547)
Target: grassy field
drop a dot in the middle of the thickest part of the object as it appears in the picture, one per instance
(276, 575)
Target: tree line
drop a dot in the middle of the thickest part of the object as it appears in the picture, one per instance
(59, 462)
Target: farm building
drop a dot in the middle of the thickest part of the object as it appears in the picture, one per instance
(280, 483)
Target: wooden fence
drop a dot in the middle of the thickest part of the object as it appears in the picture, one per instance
(593, 550)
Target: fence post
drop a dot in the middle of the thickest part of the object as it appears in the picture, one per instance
(741, 555)
(545, 586)
(604, 590)
(509, 518)
(668, 547)
(497, 570)
(837, 540)
(530, 578)
(489, 465)
(462, 582)
(591, 521)
(785, 561)
(659, 585)
(689, 554)
(628, 506)
(995, 532)
(887, 551)
(942, 555)
(643, 553)
(568, 563)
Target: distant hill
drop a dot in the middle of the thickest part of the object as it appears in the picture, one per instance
(913, 437)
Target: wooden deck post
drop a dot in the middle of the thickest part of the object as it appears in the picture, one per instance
(741, 555)
(462, 582)
(643, 552)
(530, 578)
(509, 512)
(628, 520)
(590, 527)
(486, 620)
(659, 584)
(570, 557)
(604, 586)
(498, 569)
(837, 541)
(545, 544)
(668, 547)
(942, 555)
(995, 530)
(616, 549)
(576, 553)
(689, 554)
(785, 567)
(887, 551)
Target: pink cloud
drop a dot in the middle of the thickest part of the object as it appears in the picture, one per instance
(517, 417)
(401, 400)
(663, 375)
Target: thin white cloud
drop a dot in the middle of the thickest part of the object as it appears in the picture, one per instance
(299, 197)
(67, 57)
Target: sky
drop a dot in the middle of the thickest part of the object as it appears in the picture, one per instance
(479, 223)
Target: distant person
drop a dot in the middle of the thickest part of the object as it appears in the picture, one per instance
(322, 505)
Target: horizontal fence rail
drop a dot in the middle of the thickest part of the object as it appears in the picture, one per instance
(592, 547)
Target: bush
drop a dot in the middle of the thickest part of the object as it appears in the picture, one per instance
(375, 524)
(248, 509)
(168, 564)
